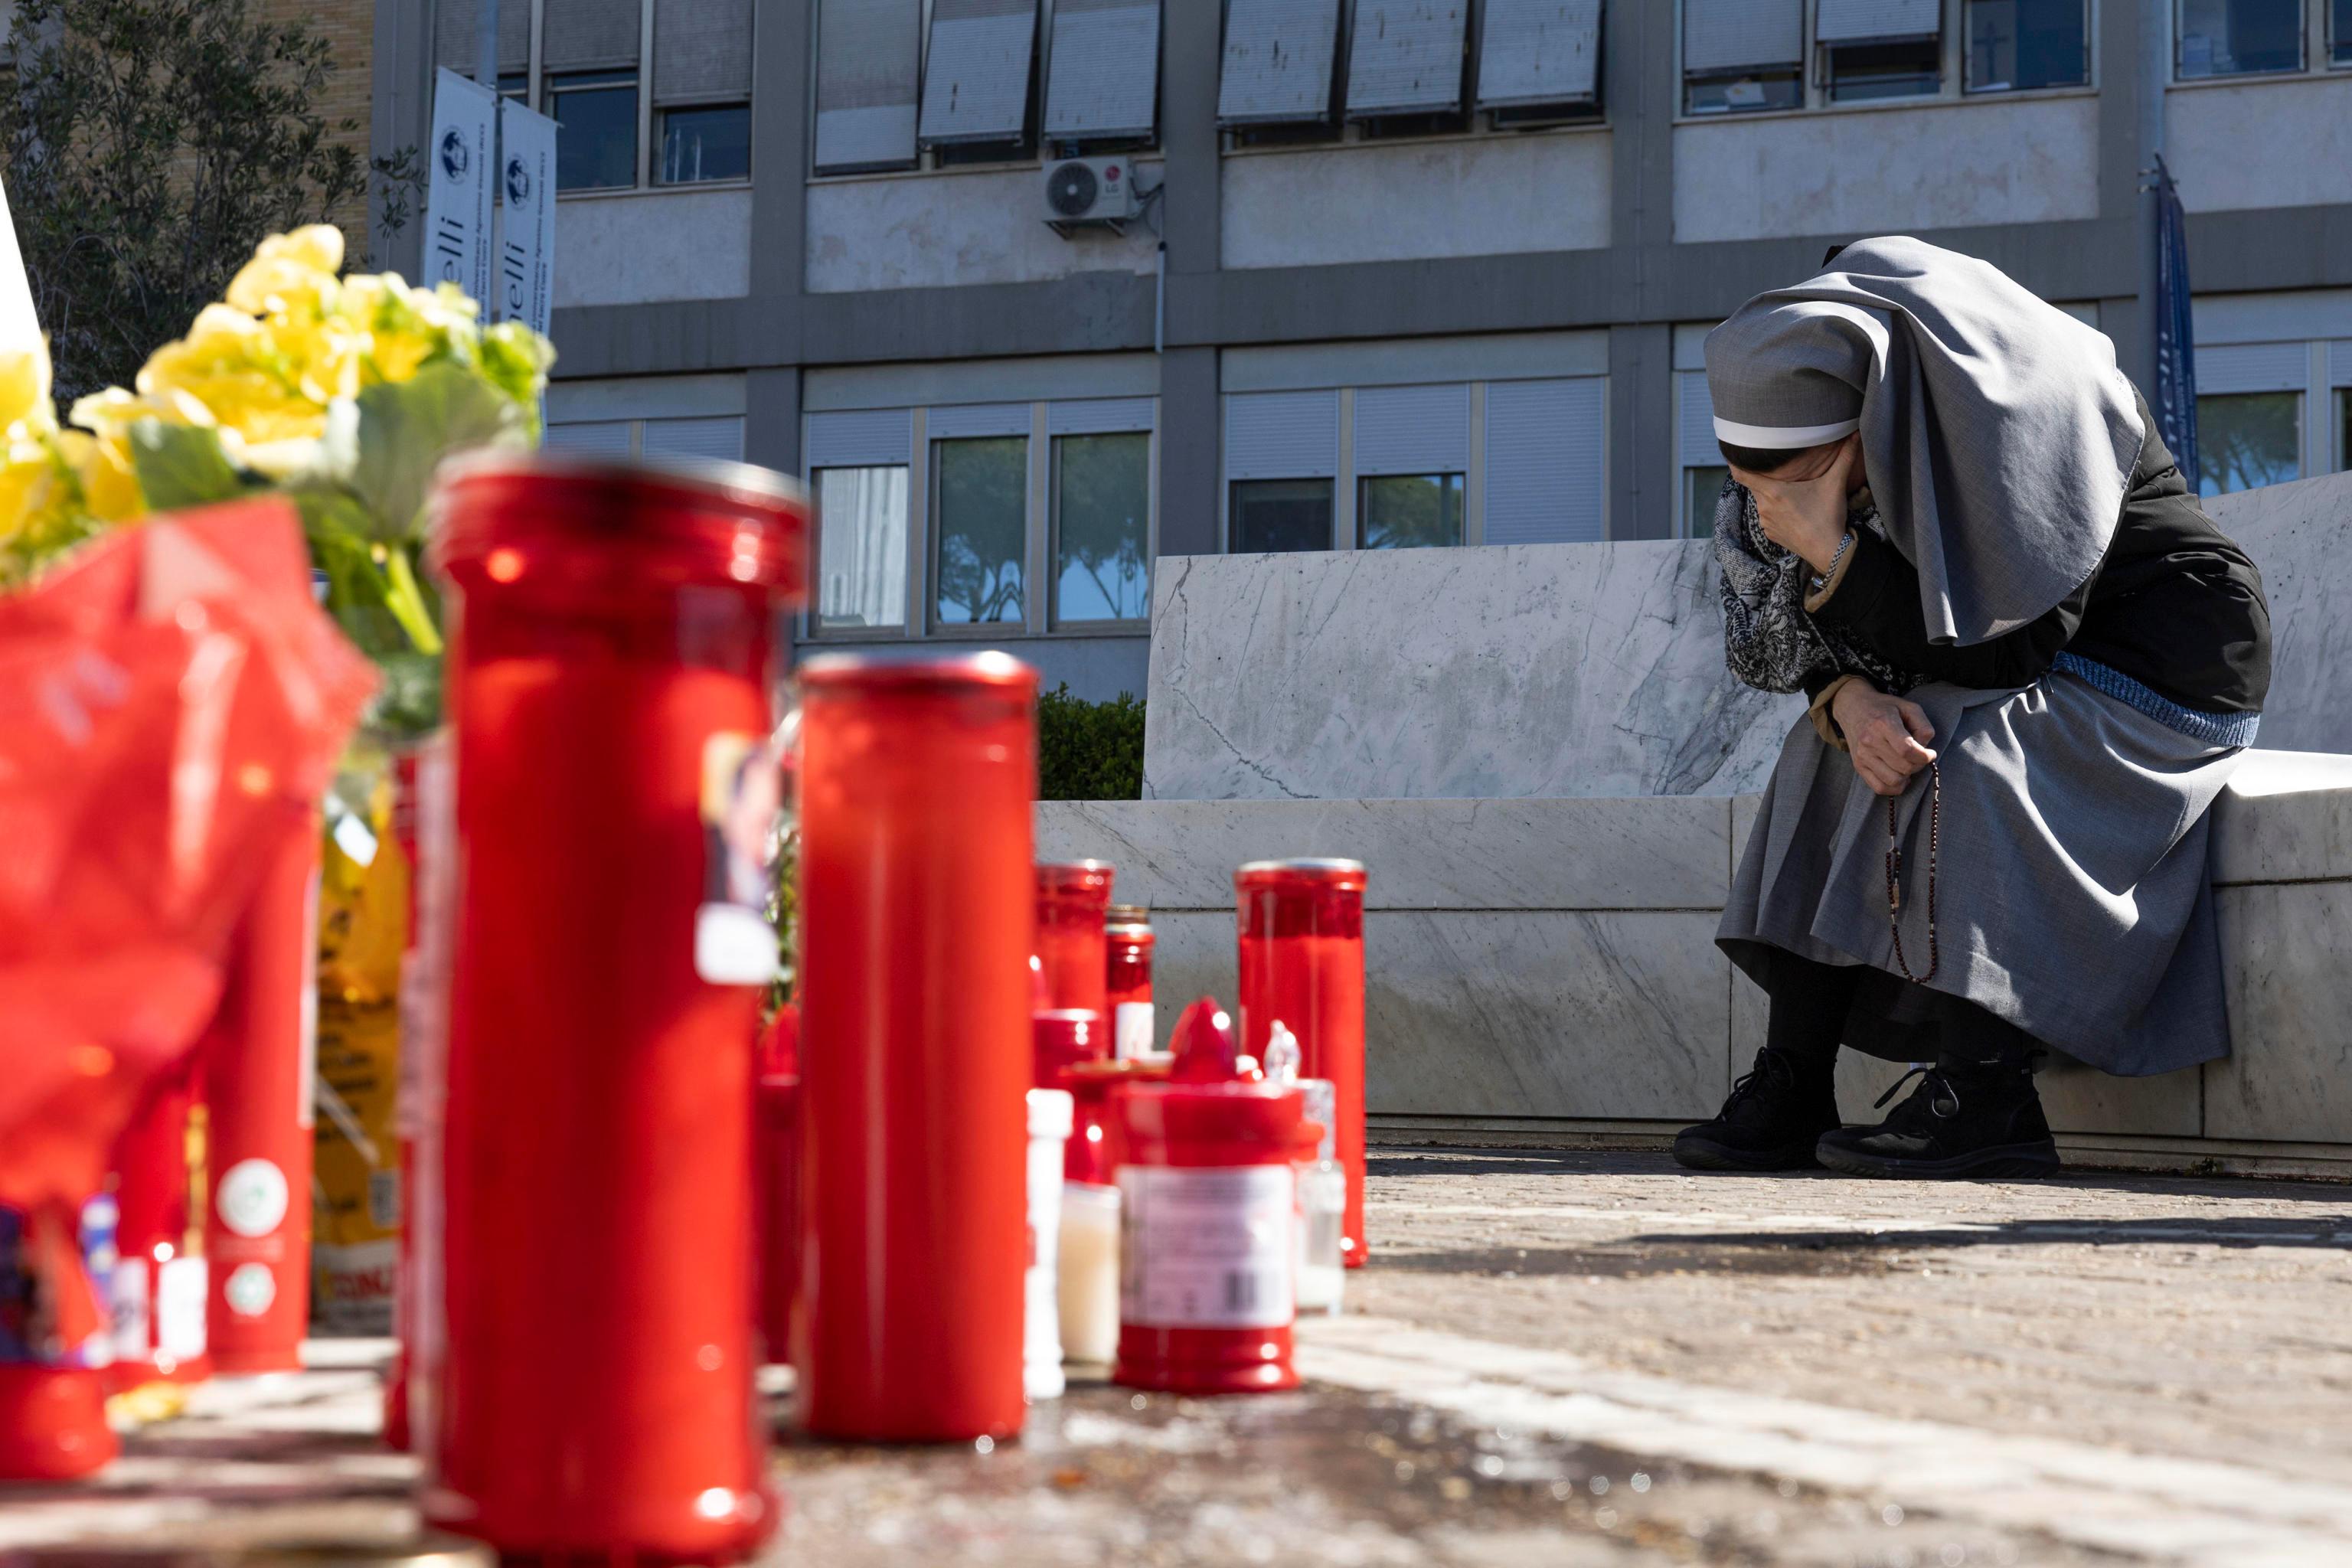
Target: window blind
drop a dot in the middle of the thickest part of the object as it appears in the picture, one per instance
(1099, 416)
(1867, 21)
(1406, 57)
(976, 79)
(1720, 36)
(1279, 55)
(1282, 434)
(2339, 370)
(1694, 443)
(860, 438)
(1104, 69)
(719, 437)
(591, 34)
(702, 51)
(455, 44)
(2253, 367)
(1545, 470)
(960, 421)
(597, 438)
(1412, 429)
(1540, 51)
(869, 58)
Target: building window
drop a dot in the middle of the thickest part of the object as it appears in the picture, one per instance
(980, 504)
(2238, 38)
(2342, 431)
(1279, 516)
(1102, 528)
(979, 102)
(597, 112)
(2340, 33)
(1902, 68)
(1701, 487)
(861, 548)
(704, 143)
(1409, 512)
(2247, 440)
(2020, 45)
(1742, 55)
(1745, 91)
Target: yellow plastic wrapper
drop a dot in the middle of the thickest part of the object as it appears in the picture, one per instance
(364, 911)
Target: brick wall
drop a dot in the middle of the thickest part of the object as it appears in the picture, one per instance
(349, 28)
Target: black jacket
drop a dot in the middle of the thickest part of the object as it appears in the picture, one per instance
(2175, 605)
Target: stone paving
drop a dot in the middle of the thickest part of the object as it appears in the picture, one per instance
(1566, 1360)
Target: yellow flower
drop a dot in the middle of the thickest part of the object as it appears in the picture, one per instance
(406, 327)
(109, 487)
(25, 409)
(235, 367)
(291, 274)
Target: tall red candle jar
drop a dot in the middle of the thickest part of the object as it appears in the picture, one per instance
(1209, 1204)
(158, 1290)
(1302, 962)
(1073, 907)
(259, 1056)
(1127, 991)
(918, 782)
(585, 1353)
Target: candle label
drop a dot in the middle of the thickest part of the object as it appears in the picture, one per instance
(1207, 1248)
(741, 799)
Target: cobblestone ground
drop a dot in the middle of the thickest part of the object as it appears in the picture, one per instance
(1568, 1360)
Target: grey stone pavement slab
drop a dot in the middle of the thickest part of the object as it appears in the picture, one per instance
(1585, 1359)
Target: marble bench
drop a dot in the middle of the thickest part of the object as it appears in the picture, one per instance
(1543, 971)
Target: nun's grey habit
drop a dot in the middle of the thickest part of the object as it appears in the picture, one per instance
(2002, 447)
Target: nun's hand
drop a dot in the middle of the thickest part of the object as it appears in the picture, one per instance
(1887, 735)
(1805, 512)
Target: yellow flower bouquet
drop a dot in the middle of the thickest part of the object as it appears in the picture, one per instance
(342, 393)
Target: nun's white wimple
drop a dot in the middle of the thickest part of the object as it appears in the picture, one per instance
(1782, 437)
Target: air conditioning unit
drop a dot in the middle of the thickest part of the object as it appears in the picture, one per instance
(1090, 192)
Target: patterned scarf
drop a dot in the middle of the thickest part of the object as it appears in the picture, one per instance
(1769, 641)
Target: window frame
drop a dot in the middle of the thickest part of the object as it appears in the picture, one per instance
(649, 159)
(1038, 523)
(1967, 55)
(661, 151)
(1053, 576)
(1459, 489)
(813, 627)
(2307, 19)
(1342, 513)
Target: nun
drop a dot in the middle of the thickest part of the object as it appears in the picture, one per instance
(2032, 661)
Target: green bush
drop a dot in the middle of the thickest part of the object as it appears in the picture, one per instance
(1089, 751)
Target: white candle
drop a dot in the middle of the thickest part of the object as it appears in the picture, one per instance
(1089, 1273)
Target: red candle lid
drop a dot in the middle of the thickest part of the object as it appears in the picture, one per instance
(691, 520)
(1211, 1123)
(867, 673)
(1340, 874)
(1075, 877)
(1062, 1038)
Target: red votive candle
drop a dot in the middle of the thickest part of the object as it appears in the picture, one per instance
(1127, 979)
(584, 1378)
(1302, 962)
(918, 782)
(1073, 905)
(158, 1289)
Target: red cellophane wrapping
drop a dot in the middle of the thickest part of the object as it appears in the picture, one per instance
(171, 705)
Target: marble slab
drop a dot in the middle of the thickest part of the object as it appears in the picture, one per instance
(2287, 816)
(1655, 853)
(2297, 534)
(2288, 951)
(1617, 1016)
(1523, 671)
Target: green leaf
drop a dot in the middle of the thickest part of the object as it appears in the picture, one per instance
(404, 430)
(1088, 750)
(181, 466)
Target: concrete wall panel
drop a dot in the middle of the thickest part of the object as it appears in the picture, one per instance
(937, 230)
(2261, 144)
(653, 245)
(1479, 195)
(1887, 171)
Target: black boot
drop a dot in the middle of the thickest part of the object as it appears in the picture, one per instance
(1776, 1115)
(1965, 1119)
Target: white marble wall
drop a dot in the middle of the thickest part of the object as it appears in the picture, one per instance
(1563, 670)
(1543, 670)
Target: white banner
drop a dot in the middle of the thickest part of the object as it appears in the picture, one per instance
(458, 205)
(527, 232)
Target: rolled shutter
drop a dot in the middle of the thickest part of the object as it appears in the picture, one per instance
(1540, 51)
(592, 35)
(1694, 443)
(1406, 57)
(1282, 434)
(1412, 429)
(1104, 69)
(1279, 56)
(716, 437)
(454, 44)
(861, 439)
(870, 56)
(702, 51)
(2252, 367)
(2339, 370)
(1100, 416)
(596, 438)
(1867, 21)
(976, 79)
(963, 421)
(1545, 470)
(1723, 35)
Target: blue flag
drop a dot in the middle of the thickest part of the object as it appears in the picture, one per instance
(2176, 343)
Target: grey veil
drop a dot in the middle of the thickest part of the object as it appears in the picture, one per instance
(1996, 434)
